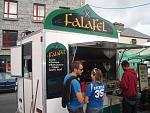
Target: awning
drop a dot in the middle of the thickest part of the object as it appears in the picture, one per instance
(130, 52)
(144, 57)
(136, 54)
(110, 45)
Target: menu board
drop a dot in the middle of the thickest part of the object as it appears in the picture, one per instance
(56, 68)
(143, 76)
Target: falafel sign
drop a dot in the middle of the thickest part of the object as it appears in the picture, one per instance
(56, 68)
(76, 21)
(83, 20)
(56, 58)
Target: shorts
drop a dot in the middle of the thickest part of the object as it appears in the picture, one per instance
(78, 110)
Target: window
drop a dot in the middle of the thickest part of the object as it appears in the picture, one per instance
(38, 12)
(10, 9)
(133, 41)
(27, 59)
(2, 65)
(9, 38)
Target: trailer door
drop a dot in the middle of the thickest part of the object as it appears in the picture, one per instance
(16, 61)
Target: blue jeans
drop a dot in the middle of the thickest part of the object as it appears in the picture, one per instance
(94, 110)
(129, 105)
(79, 110)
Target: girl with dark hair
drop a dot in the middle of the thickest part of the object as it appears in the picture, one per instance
(95, 92)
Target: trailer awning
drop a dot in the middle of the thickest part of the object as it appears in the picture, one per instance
(126, 51)
(110, 45)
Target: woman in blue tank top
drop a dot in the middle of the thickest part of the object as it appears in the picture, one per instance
(95, 92)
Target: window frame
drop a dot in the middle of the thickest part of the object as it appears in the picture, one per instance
(8, 10)
(27, 59)
(134, 41)
(37, 10)
(2, 65)
(6, 41)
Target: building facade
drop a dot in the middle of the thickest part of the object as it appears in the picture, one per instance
(130, 36)
(20, 17)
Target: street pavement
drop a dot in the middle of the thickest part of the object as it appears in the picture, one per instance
(8, 103)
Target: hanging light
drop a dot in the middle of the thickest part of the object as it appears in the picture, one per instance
(109, 53)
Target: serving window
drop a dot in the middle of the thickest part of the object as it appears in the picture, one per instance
(92, 56)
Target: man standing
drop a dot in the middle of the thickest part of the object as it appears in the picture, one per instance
(128, 86)
(76, 98)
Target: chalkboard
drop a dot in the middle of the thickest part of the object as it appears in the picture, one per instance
(56, 69)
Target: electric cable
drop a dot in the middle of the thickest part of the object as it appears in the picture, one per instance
(128, 7)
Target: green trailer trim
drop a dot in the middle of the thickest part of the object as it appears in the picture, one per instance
(83, 20)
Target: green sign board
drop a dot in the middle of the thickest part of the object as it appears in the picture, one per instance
(83, 20)
(56, 69)
(143, 75)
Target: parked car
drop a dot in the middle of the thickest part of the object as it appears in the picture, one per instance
(7, 83)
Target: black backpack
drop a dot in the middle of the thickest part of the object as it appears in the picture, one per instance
(66, 91)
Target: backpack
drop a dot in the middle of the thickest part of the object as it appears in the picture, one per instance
(66, 91)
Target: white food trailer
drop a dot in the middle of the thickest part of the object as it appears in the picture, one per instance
(41, 59)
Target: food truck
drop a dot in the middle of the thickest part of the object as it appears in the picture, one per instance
(41, 59)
